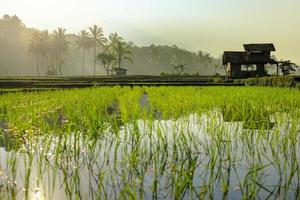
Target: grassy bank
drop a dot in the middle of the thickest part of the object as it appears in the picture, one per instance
(85, 82)
(280, 81)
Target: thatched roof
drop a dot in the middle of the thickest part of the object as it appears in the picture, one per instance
(234, 57)
(259, 47)
(244, 58)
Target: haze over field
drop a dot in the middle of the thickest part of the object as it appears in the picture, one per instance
(208, 25)
(213, 25)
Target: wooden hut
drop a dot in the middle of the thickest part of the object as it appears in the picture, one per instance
(119, 71)
(253, 59)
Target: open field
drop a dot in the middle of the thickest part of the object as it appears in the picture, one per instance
(151, 143)
(154, 100)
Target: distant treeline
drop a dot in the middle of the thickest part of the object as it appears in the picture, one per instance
(28, 51)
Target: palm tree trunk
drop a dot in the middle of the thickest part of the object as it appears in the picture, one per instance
(60, 62)
(37, 65)
(120, 60)
(83, 61)
(60, 73)
(56, 64)
(47, 63)
(94, 59)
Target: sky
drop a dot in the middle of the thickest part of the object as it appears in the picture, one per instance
(209, 25)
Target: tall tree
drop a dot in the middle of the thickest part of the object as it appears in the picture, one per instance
(83, 42)
(287, 67)
(107, 59)
(122, 50)
(35, 48)
(113, 39)
(61, 48)
(98, 40)
(45, 47)
(179, 68)
(11, 26)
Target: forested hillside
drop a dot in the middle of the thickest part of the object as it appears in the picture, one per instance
(19, 56)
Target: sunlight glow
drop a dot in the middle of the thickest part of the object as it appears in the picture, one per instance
(213, 25)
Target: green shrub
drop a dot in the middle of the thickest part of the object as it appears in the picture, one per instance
(280, 81)
(218, 79)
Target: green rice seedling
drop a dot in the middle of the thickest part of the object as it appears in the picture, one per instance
(146, 142)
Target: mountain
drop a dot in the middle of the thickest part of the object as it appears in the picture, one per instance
(131, 32)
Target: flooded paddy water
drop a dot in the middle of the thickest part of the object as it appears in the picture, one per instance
(151, 143)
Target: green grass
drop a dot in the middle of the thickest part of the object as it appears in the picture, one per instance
(150, 142)
(273, 81)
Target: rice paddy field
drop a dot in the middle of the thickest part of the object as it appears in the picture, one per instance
(150, 143)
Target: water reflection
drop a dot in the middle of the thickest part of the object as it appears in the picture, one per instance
(194, 157)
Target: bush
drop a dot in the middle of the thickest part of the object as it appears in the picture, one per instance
(280, 81)
(179, 75)
(218, 80)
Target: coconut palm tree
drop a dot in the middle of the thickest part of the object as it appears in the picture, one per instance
(45, 47)
(114, 38)
(61, 48)
(122, 50)
(107, 59)
(83, 42)
(35, 48)
(97, 40)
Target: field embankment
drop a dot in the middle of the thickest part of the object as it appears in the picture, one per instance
(84, 82)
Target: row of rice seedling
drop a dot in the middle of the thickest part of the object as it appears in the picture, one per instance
(151, 143)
